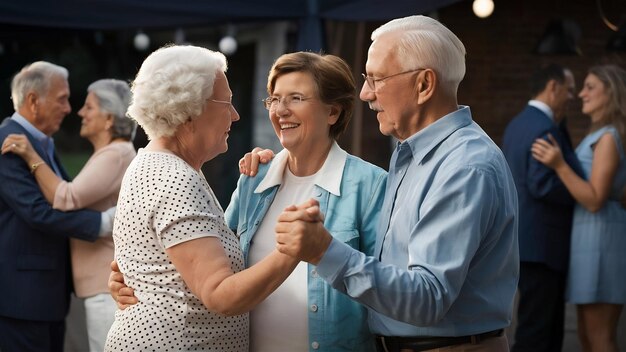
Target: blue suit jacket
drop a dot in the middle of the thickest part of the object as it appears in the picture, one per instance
(545, 214)
(35, 273)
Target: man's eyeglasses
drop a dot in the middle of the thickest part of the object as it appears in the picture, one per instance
(271, 103)
(371, 81)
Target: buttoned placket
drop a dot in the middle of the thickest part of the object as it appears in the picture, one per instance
(399, 165)
(322, 196)
(252, 226)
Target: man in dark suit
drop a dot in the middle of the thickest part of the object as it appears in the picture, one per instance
(545, 211)
(34, 260)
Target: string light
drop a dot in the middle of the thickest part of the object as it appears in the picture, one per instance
(142, 41)
(483, 8)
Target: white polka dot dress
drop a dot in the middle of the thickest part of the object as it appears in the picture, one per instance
(164, 202)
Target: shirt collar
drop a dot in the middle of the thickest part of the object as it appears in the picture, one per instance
(543, 107)
(37, 134)
(328, 177)
(427, 139)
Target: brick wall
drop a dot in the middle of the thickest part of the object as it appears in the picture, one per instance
(499, 61)
(500, 58)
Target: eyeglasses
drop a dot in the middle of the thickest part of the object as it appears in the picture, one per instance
(290, 101)
(371, 81)
(222, 101)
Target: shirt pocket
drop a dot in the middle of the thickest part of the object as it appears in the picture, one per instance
(349, 237)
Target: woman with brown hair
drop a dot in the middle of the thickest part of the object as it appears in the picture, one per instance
(310, 103)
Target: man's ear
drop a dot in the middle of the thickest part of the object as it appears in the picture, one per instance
(425, 85)
(31, 101)
(551, 86)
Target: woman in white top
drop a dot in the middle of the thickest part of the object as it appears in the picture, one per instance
(172, 245)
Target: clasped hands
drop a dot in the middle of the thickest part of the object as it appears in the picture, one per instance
(300, 232)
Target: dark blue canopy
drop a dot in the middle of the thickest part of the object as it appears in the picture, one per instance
(125, 14)
(119, 14)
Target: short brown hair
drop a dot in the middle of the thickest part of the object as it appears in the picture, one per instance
(335, 84)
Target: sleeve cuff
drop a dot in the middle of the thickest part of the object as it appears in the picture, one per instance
(332, 265)
(106, 224)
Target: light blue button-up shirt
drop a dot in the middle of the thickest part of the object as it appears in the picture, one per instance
(46, 143)
(446, 260)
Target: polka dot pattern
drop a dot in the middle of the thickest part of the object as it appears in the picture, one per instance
(164, 202)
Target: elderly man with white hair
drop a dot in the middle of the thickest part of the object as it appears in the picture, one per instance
(445, 265)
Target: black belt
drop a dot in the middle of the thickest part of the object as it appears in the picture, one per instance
(395, 344)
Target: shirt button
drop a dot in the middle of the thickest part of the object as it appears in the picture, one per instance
(315, 345)
(314, 308)
(314, 273)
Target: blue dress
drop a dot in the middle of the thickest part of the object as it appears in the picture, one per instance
(598, 247)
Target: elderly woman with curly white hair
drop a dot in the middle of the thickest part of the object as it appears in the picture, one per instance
(172, 244)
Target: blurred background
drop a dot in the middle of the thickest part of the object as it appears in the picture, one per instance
(505, 42)
(110, 38)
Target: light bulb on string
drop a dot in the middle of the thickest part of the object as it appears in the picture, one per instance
(228, 45)
(142, 41)
(483, 8)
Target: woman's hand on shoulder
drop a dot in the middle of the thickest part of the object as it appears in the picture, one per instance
(547, 152)
(249, 164)
(20, 145)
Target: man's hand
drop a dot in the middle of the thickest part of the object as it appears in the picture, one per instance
(249, 164)
(300, 232)
(123, 295)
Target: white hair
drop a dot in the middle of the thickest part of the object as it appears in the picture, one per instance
(426, 43)
(113, 98)
(35, 77)
(172, 86)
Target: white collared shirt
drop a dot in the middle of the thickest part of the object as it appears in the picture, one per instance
(543, 107)
(328, 177)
